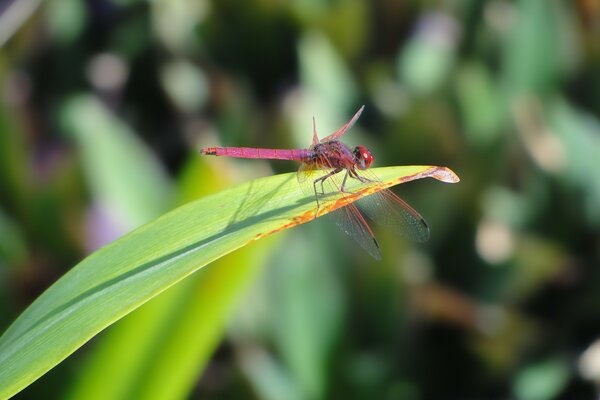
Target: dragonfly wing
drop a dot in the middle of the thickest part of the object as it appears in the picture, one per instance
(340, 132)
(389, 210)
(353, 224)
(348, 218)
(305, 173)
(315, 138)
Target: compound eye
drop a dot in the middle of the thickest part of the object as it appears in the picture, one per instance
(364, 156)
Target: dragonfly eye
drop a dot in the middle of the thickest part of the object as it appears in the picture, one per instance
(363, 156)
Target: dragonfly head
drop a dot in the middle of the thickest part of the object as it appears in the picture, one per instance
(363, 157)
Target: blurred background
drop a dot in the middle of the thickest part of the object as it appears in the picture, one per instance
(104, 105)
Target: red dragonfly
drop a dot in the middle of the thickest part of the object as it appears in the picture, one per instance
(325, 168)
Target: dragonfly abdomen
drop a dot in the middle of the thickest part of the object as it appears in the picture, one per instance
(251, 152)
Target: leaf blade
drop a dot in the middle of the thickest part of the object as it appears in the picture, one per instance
(130, 271)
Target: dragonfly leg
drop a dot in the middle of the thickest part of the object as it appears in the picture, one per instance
(321, 180)
(343, 188)
(353, 174)
(362, 179)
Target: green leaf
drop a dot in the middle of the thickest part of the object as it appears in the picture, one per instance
(120, 277)
(163, 346)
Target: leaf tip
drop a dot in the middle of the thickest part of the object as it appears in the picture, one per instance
(445, 174)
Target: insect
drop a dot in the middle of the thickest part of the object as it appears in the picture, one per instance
(326, 167)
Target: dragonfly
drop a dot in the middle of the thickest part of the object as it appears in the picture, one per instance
(326, 167)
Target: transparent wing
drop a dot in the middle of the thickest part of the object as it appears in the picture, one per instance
(353, 224)
(389, 210)
(307, 173)
(340, 132)
(348, 218)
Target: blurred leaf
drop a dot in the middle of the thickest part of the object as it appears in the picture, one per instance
(268, 377)
(66, 19)
(542, 381)
(579, 133)
(481, 105)
(328, 88)
(339, 17)
(537, 49)
(14, 186)
(120, 277)
(324, 73)
(537, 262)
(502, 204)
(334, 18)
(175, 22)
(507, 332)
(308, 309)
(123, 174)
(131, 39)
(13, 250)
(255, 41)
(186, 85)
(426, 60)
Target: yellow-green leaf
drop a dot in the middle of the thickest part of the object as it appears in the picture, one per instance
(120, 277)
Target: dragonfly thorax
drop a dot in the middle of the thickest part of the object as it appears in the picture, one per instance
(363, 157)
(332, 154)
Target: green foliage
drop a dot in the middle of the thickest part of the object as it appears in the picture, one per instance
(125, 274)
(104, 105)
